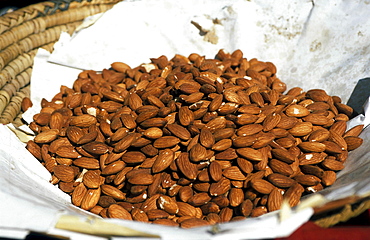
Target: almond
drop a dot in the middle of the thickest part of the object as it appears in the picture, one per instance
(280, 167)
(88, 163)
(307, 180)
(312, 146)
(222, 145)
(84, 120)
(283, 155)
(168, 204)
(353, 142)
(301, 129)
(116, 211)
(250, 154)
(179, 131)
(91, 198)
(113, 167)
(215, 171)
(113, 192)
(91, 179)
(95, 147)
(166, 142)
(78, 194)
(280, 180)
(274, 200)
(220, 187)
(141, 179)
(187, 168)
(236, 196)
(354, 131)
(295, 110)
(319, 135)
(64, 173)
(47, 136)
(163, 161)
(233, 173)
(271, 121)
(293, 194)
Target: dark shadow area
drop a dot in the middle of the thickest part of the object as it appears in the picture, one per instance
(360, 94)
(17, 3)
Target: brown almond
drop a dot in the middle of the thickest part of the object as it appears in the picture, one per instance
(215, 171)
(271, 121)
(280, 167)
(198, 153)
(312, 146)
(236, 196)
(84, 120)
(296, 110)
(126, 142)
(301, 129)
(280, 180)
(46, 136)
(67, 152)
(274, 200)
(179, 131)
(316, 119)
(222, 145)
(166, 142)
(113, 192)
(318, 95)
(234, 173)
(331, 164)
(153, 122)
(354, 131)
(312, 170)
(163, 161)
(185, 209)
(339, 127)
(187, 168)
(293, 194)
(132, 157)
(353, 142)
(168, 204)
(261, 186)
(199, 199)
(78, 194)
(116, 211)
(95, 148)
(91, 179)
(283, 155)
(332, 147)
(206, 138)
(307, 180)
(250, 154)
(141, 179)
(228, 154)
(319, 135)
(220, 187)
(91, 198)
(310, 158)
(64, 173)
(88, 163)
(328, 178)
(113, 167)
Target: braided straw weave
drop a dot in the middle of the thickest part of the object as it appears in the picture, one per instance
(25, 30)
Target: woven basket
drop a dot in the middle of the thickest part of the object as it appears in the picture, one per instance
(25, 30)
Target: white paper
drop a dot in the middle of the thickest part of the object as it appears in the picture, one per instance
(314, 44)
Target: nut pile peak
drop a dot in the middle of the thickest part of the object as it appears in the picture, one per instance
(190, 141)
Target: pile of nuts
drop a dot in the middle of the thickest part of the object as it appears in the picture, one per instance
(191, 141)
